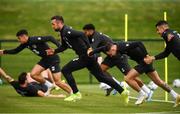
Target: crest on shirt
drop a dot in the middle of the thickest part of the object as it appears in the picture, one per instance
(170, 36)
(39, 38)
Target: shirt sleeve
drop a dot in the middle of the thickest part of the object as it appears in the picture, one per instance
(16, 50)
(165, 53)
(32, 90)
(61, 48)
(45, 39)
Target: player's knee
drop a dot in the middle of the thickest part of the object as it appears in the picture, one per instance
(126, 78)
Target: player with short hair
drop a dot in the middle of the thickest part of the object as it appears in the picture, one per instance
(172, 39)
(38, 45)
(25, 88)
(77, 41)
(137, 52)
(96, 40)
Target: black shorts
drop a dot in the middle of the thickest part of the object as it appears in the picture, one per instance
(120, 61)
(51, 62)
(144, 68)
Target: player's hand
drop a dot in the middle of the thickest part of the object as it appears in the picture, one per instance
(1, 52)
(50, 51)
(89, 51)
(149, 59)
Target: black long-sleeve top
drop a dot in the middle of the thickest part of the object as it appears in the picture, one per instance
(135, 50)
(73, 39)
(172, 46)
(36, 44)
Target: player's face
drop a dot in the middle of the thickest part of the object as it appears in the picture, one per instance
(112, 51)
(87, 33)
(159, 30)
(23, 38)
(54, 24)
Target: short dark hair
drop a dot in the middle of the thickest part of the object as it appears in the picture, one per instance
(89, 27)
(22, 32)
(57, 17)
(108, 46)
(22, 78)
(161, 22)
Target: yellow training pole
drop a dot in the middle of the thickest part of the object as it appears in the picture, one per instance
(126, 28)
(166, 64)
(125, 36)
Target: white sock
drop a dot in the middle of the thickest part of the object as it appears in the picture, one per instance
(173, 94)
(141, 92)
(48, 84)
(145, 89)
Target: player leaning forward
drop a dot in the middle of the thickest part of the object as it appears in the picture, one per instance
(137, 52)
(38, 45)
(77, 41)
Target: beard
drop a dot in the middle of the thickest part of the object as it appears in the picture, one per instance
(56, 30)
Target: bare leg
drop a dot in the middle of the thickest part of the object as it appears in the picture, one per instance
(58, 82)
(130, 78)
(157, 80)
(36, 73)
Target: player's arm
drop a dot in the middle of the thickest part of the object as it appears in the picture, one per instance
(5, 76)
(97, 50)
(163, 54)
(13, 51)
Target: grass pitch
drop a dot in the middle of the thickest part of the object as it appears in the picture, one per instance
(93, 101)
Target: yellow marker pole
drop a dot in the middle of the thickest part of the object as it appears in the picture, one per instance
(126, 28)
(125, 36)
(166, 64)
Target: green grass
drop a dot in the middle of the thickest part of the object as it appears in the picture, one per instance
(93, 101)
(107, 15)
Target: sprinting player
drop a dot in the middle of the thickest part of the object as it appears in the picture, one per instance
(137, 52)
(96, 40)
(24, 88)
(38, 45)
(79, 43)
(172, 39)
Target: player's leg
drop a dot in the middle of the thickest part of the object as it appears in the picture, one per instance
(67, 70)
(131, 77)
(59, 83)
(157, 80)
(36, 73)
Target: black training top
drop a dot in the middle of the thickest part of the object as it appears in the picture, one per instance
(99, 39)
(172, 46)
(36, 44)
(31, 89)
(73, 39)
(135, 50)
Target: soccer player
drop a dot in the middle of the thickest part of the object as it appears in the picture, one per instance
(137, 52)
(96, 40)
(38, 45)
(172, 39)
(24, 88)
(77, 41)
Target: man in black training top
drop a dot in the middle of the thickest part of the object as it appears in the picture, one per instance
(38, 45)
(79, 43)
(172, 39)
(24, 88)
(137, 52)
(96, 40)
